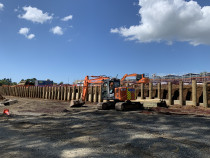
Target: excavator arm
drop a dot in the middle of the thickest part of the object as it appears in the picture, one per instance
(87, 81)
(127, 75)
(141, 80)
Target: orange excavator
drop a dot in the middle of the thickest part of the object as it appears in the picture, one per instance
(113, 95)
(140, 78)
(87, 81)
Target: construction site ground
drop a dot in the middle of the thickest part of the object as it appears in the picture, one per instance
(47, 128)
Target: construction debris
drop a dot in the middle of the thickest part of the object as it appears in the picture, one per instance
(8, 102)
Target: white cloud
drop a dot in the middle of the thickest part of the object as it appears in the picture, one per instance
(24, 31)
(35, 15)
(31, 36)
(1, 6)
(170, 20)
(67, 18)
(57, 30)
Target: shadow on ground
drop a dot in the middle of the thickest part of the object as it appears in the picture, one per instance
(88, 132)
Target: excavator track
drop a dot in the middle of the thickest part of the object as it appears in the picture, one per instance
(76, 103)
(120, 106)
(102, 106)
(124, 106)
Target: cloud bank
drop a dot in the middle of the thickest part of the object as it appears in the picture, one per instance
(25, 31)
(168, 21)
(35, 15)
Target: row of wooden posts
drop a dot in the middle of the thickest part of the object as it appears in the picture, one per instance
(65, 93)
(181, 100)
(94, 93)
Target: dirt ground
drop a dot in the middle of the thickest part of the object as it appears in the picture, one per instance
(46, 128)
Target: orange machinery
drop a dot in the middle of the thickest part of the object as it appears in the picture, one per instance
(140, 78)
(94, 80)
(125, 93)
(112, 93)
(87, 81)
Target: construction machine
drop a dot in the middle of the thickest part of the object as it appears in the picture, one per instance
(88, 80)
(140, 78)
(113, 95)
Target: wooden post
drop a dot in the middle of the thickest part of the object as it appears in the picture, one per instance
(78, 92)
(194, 92)
(169, 93)
(55, 93)
(46, 92)
(29, 93)
(23, 91)
(12, 89)
(68, 93)
(52, 93)
(15, 91)
(58, 94)
(38, 92)
(43, 92)
(159, 90)
(8, 91)
(90, 96)
(26, 91)
(35, 91)
(142, 90)
(21, 94)
(61, 93)
(49, 92)
(181, 92)
(73, 94)
(100, 94)
(205, 95)
(64, 95)
(150, 90)
(95, 94)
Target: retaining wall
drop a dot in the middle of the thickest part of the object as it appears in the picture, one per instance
(197, 95)
(65, 93)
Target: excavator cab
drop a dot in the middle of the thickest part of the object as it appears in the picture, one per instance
(117, 97)
(139, 77)
(108, 88)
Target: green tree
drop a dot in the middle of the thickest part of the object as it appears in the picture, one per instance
(60, 83)
(30, 81)
(6, 81)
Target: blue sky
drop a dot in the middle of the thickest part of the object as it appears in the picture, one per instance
(98, 38)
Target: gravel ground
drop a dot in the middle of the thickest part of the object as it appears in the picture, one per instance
(43, 128)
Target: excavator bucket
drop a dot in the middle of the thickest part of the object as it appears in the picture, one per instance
(76, 103)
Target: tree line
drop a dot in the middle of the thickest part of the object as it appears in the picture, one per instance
(8, 82)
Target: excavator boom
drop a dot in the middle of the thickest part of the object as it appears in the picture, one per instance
(140, 78)
(87, 81)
